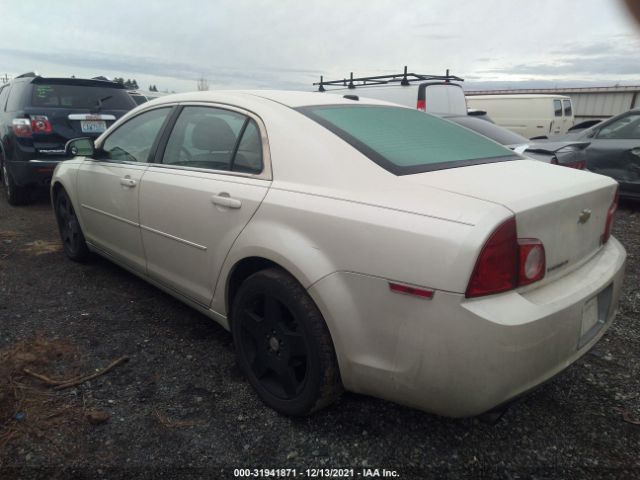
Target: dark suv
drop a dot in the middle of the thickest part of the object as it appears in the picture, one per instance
(39, 115)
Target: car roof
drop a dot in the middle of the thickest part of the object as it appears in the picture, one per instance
(291, 99)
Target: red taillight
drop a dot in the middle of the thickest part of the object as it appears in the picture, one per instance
(608, 226)
(497, 267)
(40, 124)
(422, 105)
(506, 262)
(532, 260)
(578, 165)
(409, 290)
(21, 127)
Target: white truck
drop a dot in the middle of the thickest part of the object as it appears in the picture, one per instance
(530, 115)
(429, 93)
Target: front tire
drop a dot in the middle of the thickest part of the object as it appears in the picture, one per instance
(283, 344)
(73, 242)
(16, 195)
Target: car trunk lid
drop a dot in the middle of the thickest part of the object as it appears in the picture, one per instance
(564, 208)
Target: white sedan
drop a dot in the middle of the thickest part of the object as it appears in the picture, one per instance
(352, 244)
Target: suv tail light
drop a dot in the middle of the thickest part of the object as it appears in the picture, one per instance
(40, 124)
(422, 105)
(578, 165)
(506, 262)
(21, 127)
(608, 226)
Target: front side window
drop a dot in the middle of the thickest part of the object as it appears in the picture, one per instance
(405, 141)
(215, 139)
(567, 108)
(557, 108)
(132, 141)
(625, 128)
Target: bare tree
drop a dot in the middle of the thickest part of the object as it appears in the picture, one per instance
(203, 84)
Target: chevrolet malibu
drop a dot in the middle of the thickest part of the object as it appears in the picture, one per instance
(352, 244)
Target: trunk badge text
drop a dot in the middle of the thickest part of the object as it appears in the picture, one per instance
(585, 215)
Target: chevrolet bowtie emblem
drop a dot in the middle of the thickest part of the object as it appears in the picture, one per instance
(585, 215)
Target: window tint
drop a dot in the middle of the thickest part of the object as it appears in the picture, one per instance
(205, 137)
(248, 158)
(132, 141)
(491, 130)
(557, 107)
(15, 97)
(623, 128)
(3, 97)
(567, 108)
(405, 141)
(80, 96)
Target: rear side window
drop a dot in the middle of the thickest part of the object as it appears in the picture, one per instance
(215, 139)
(557, 108)
(80, 96)
(4, 93)
(15, 97)
(567, 108)
(404, 141)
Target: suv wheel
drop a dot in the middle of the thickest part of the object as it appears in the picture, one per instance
(15, 195)
(283, 344)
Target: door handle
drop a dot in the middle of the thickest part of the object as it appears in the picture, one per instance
(128, 182)
(224, 200)
(636, 151)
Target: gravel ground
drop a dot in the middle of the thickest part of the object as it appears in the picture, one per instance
(179, 408)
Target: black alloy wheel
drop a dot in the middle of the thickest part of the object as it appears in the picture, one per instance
(73, 240)
(283, 344)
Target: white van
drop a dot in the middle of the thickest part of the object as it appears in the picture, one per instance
(529, 115)
(429, 93)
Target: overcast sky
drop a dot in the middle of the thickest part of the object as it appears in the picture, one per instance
(289, 44)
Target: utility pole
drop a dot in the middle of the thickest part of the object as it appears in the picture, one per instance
(203, 84)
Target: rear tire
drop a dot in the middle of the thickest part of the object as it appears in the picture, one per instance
(73, 242)
(283, 344)
(16, 195)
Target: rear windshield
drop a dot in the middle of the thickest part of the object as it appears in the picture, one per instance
(491, 130)
(80, 96)
(404, 141)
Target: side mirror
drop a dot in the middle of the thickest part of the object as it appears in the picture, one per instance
(80, 147)
(592, 133)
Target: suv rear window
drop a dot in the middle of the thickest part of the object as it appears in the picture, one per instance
(80, 96)
(405, 141)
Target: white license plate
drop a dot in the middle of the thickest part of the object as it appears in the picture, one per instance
(589, 315)
(93, 126)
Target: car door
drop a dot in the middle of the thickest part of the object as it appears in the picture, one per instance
(208, 180)
(556, 124)
(109, 185)
(615, 151)
(567, 119)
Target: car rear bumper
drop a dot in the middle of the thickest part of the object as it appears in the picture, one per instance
(461, 357)
(33, 172)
